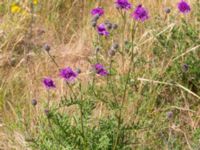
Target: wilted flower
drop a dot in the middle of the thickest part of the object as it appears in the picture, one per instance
(99, 68)
(97, 11)
(102, 30)
(140, 13)
(123, 4)
(48, 83)
(184, 7)
(68, 74)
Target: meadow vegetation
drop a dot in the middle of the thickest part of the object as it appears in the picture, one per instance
(100, 74)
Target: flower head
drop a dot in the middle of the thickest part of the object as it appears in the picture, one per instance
(123, 4)
(15, 8)
(97, 11)
(184, 7)
(99, 68)
(48, 83)
(140, 13)
(102, 30)
(68, 74)
(35, 2)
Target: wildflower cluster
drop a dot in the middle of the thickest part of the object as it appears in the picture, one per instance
(114, 129)
(16, 8)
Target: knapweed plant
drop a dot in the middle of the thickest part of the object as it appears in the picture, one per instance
(143, 74)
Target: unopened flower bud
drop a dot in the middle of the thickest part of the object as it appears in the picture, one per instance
(47, 47)
(114, 26)
(78, 70)
(169, 114)
(94, 24)
(47, 112)
(34, 102)
(95, 18)
(97, 49)
(167, 10)
(115, 46)
(185, 67)
(111, 52)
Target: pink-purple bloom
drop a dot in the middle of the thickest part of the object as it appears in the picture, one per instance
(68, 74)
(99, 68)
(140, 13)
(123, 4)
(102, 30)
(97, 11)
(184, 7)
(48, 83)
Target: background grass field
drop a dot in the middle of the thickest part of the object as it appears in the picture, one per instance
(160, 83)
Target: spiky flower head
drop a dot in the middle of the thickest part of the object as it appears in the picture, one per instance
(97, 11)
(68, 74)
(99, 68)
(140, 13)
(184, 7)
(48, 83)
(101, 29)
(123, 4)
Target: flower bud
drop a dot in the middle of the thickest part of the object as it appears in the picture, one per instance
(78, 70)
(95, 18)
(115, 46)
(185, 67)
(167, 10)
(93, 24)
(47, 47)
(34, 102)
(169, 114)
(111, 52)
(114, 26)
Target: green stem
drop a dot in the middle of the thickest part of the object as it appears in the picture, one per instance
(126, 87)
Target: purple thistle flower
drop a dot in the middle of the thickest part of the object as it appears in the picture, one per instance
(97, 11)
(48, 83)
(184, 7)
(140, 13)
(102, 30)
(99, 68)
(123, 4)
(68, 74)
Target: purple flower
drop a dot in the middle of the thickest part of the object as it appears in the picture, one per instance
(99, 68)
(123, 4)
(184, 7)
(102, 30)
(48, 83)
(97, 11)
(68, 74)
(140, 13)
